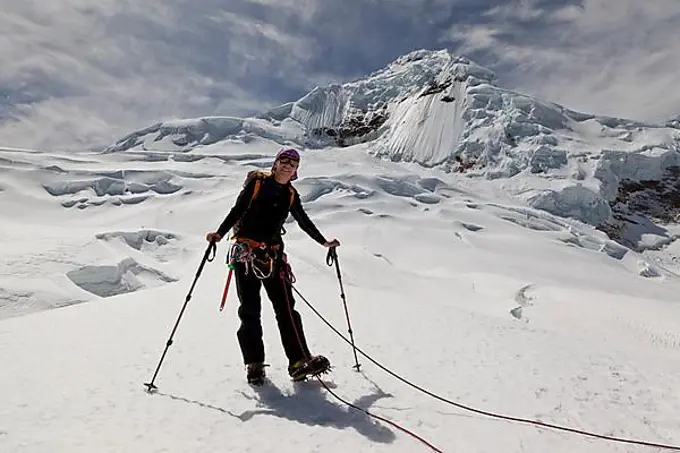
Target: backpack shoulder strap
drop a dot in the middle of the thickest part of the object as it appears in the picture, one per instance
(256, 189)
(258, 175)
(292, 196)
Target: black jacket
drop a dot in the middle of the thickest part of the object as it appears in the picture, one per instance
(264, 219)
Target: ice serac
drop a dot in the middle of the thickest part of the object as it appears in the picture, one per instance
(430, 107)
(322, 107)
(389, 103)
(428, 126)
(444, 111)
(185, 135)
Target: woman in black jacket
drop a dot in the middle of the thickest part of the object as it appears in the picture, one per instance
(258, 258)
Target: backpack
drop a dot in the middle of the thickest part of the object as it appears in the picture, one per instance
(259, 175)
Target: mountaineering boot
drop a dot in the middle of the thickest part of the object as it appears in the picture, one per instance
(255, 373)
(301, 370)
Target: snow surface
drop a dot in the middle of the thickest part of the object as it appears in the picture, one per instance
(486, 283)
(456, 287)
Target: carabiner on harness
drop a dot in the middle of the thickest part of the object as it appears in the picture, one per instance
(257, 257)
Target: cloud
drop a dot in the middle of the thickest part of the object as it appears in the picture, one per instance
(612, 57)
(78, 73)
(82, 74)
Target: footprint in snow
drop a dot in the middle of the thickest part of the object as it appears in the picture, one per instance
(471, 227)
(523, 300)
(381, 256)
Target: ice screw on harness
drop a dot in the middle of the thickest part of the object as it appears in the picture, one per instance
(211, 250)
(226, 287)
(231, 264)
(332, 258)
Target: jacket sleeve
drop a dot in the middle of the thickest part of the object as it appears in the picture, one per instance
(304, 221)
(238, 209)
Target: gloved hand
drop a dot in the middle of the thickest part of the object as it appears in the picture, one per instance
(333, 243)
(213, 237)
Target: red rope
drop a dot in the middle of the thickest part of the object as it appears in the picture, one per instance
(410, 433)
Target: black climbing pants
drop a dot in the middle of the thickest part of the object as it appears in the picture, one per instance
(279, 292)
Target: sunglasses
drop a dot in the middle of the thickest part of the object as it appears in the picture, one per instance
(289, 161)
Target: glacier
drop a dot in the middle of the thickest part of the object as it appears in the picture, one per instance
(441, 110)
(468, 216)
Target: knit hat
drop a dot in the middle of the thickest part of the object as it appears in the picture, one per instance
(292, 154)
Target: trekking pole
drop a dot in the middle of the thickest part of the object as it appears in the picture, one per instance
(332, 258)
(212, 248)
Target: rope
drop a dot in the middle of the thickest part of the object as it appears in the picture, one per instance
(287, 278)
(390, 422)
(486, 413)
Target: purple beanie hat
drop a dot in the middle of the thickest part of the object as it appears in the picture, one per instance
(290, 153)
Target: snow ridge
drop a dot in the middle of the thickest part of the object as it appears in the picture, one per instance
(443, 111)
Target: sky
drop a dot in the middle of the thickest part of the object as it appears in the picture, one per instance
(81, 74)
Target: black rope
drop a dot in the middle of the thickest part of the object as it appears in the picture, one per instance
(488, 414)
(288, 278)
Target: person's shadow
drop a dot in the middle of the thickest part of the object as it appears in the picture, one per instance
(308, 405)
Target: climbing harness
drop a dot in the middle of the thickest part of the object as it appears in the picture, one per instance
(259, 258)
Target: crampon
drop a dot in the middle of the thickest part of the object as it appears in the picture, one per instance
(315, 366)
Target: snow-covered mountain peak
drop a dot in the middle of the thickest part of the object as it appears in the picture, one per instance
(414, 71)
(335, 114)
(444, 111)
